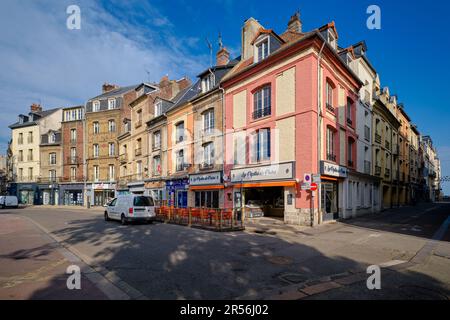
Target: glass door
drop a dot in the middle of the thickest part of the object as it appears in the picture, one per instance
(329, 201)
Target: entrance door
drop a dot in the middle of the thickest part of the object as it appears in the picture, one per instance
(46, 198)
(181, 199)
(329, 201)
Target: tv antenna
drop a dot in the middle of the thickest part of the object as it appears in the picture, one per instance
(210, 50)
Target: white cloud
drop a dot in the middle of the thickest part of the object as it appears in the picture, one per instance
(41, 60)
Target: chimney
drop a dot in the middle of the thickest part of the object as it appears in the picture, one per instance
(249, 31)
(295, 24)
(222, 57)
(164, 81)
(36, 108)
(107, 87)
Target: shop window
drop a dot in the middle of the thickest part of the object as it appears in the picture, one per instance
(207, 199)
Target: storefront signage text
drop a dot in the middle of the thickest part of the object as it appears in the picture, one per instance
(330, 169)
(205, 179)
(273, 172)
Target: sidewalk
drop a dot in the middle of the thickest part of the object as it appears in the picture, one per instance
(91, 209)
(32, 266)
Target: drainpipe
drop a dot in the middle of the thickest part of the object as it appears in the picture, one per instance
(319, 130)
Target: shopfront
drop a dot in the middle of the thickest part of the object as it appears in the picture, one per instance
(206, 190)
(100, 193)
(177, 192)
(136, 188)
(155, 188)
(332, 179)
(264, 190)
(71, 194)
(27, 193)
(49, 194)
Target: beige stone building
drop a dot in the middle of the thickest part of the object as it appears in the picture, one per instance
(136, 144)
(25, 152)
(51, 164)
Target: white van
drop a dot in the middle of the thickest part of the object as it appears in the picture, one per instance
(130, 208)
(9, 201)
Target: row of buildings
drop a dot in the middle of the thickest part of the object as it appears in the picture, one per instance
(246, 132)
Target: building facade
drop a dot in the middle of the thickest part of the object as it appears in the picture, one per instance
(51, 164)
(73, 156)
(104, 122)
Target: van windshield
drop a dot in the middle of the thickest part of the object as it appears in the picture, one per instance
(143, 202)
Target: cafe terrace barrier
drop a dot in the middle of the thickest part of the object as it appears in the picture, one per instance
(211, 219)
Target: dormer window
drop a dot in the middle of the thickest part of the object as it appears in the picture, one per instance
(262, 49)
(208, 83)
(111, 104)
(96, 106)
(332, 39)
(158, 109)
(141, 92)
(52, 137)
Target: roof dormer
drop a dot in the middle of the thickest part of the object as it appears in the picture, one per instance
(264, 44)
(330, 34)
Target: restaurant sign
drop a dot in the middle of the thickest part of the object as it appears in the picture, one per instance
(205, 179)
(282, 171)
(334, 170)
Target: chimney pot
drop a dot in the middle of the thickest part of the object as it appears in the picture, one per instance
(107, 87)
(35, 107)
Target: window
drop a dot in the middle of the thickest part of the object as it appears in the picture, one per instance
(73, 155)
(157, 165)
(96, 106)
(96, 127)
(207, 199)
(73, 173)
(30, 174)
(30, 155)
(20, 140)
(180, 161)
(112, 126)
(139, 168)
(208, 154)
(96, 151)
(262, 49)
(52, 158)
(208, 121)
(349, 111)
(158, 109)
(96, 173)
(20, 155)
(208, 82)
(52, 175)
(112, 172)
(261, 145)
(330, 145)
(142, 201)
(179, 128)
(350, 152)
(111, 104)
(52, 137)
(30, 137)
(138, 150)
(139, 118)
(80, 114)
(73, 135)
(262, 102)
(157, 140)
(329, 96)
(112, 149)
(20, 174)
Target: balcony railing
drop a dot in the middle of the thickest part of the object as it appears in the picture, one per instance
(350, 122)
(260, 113)
(156, 147)
(49, 180)
(367, 167)
(331, 157)
(73, 160)
(387, 145)
(206, 166)
(377, 138)
(330, 108)
(138, 152)
(395, 149)
(138, 124)
(377, 170)
(350, 163)
(387, 172)
(123, 158)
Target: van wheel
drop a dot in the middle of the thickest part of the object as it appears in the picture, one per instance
(123, 221)
(106, 217)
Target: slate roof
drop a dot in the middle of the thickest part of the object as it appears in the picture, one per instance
(115, 92)
(40, 114)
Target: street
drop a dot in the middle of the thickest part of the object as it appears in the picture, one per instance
(267, 261)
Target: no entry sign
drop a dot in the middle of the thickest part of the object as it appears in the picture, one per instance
(314, 187)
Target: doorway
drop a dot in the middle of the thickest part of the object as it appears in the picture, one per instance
(182, 199)
(330, 201)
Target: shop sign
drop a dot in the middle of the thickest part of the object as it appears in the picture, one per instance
(103, 186)
(282, 171)
(334, 170)
(205, 179)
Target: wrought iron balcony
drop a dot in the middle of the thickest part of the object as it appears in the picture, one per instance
(330, 108)
(377, 170)
(73, 160)
(350, 122)
(387, 145)
(123, 158)
(377, 138)
(260, 113)
(138, 152)
(331, 157)
(367, 167)
(350, 163)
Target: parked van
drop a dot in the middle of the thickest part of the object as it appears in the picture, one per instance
(9, 201)
(129, 208)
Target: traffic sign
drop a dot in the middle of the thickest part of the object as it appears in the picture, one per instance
(306, 186)
(307, 178)
(314, 187)
(316, 178)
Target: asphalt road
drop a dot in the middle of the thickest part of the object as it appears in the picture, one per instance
(162, 261)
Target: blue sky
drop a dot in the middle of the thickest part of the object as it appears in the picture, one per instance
(42, 61)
